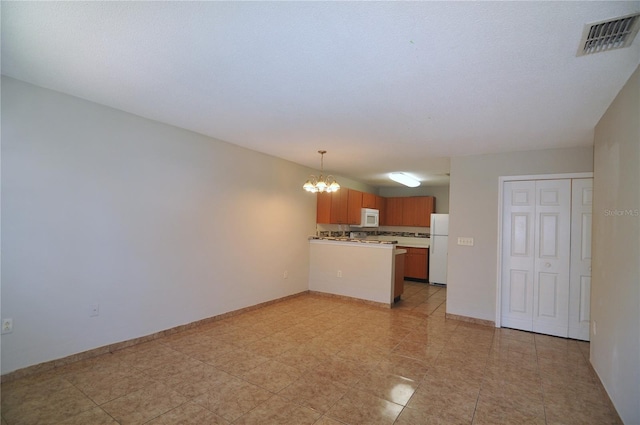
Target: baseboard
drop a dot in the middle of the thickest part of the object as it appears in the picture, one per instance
(351, 299)
(606, 394)
(52, 364)
(473, 320)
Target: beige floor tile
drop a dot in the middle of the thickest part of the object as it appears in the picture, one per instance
(103, 386)
(278, 411)
(511, 408)
(325, 420)
(421, 417)
(233, 398)
(272, 375)
(314, 392)
(427, 353)
(51, 408)
(144, 404)
(240, 361)
(302, 357)
(33, 390)
(443, 401)
(406, 367)
(340, 370)
(293, 361)
(95, 416)
(359, 407)
(188, 414)
(197, 380)
(394, 388)
(270, 346)
(149, 355)
(166, 371)
(210, 352)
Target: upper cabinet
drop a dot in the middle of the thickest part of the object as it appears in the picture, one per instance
(354, 205)
(339, 205)
(323, 208)
(369, 200)
(394, 212)
(412, 211)
(417, 211)
(343, 207)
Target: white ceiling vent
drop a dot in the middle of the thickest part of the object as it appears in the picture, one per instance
(608, 35)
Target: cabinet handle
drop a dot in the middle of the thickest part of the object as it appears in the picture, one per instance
(547, 265)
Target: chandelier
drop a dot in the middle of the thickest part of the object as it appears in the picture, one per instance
(321, 184)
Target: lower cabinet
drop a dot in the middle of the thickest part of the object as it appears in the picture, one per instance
(416, 263)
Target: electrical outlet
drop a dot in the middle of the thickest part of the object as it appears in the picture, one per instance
(465, 241)
(286, 274)
(7, 326)
(94, 310)
(339, 273)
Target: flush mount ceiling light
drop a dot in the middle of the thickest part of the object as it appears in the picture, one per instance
(321, 184)
(404, 179)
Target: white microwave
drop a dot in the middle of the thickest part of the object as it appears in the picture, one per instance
(369, 217)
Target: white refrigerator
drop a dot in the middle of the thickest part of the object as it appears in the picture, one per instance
(438, 249)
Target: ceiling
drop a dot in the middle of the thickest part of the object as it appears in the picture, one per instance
(382, 86)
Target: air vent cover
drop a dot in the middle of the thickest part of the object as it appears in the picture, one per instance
(608, 35)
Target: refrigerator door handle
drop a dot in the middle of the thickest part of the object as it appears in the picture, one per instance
(432, 246)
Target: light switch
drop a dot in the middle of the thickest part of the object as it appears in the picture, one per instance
(465, 241)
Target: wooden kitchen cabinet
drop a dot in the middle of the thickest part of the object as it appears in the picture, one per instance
(323, 208)
(344, 207)
(369, 200)
(416, 263)
(339, 206)
(354, 205)
(417, 211)
(426, 206)
(410, 211)
(393, 211)
(381, 206)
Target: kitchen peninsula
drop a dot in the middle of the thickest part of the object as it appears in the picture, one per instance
(362, 269)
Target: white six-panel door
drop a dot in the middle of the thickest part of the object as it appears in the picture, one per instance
(541, 289)
(580, 284)
(517, 254)
(552, 257)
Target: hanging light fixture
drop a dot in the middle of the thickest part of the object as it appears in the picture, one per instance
(321, 184)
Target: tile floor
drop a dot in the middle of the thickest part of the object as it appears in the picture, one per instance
(323, 361)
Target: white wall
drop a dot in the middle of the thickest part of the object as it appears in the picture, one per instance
(471, 286)
(367, 270)
(615, 284)
(158, 225)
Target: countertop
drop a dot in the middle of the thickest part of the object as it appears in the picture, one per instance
(353, 240)
(378, 240)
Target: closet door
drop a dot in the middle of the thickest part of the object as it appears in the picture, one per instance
(518, 254)
(580, 284)
(552, 257)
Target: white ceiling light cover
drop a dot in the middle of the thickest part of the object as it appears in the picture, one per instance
(404, 179)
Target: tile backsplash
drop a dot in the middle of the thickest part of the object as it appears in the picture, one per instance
(343, 229)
